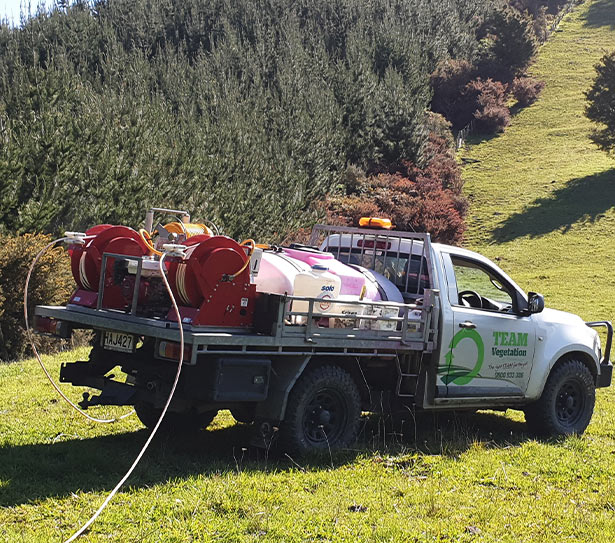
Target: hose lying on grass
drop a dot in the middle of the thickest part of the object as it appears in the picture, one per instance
(34, 349)
(113, 492)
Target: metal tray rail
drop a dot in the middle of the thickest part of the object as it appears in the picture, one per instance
(283, 338)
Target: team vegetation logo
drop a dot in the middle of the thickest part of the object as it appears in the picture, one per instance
(505, 344)
(513, 341)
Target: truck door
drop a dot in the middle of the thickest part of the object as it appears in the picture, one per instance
(492, 346)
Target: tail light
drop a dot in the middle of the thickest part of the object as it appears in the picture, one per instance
(171, 351)
(47, 325)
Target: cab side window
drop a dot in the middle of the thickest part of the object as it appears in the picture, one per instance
(479, 288)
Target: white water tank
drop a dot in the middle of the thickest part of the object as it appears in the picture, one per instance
(317, 282)
(277, 272)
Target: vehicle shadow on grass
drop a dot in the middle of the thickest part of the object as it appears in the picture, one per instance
(601, 13)
(448, 434)
(55, 470)
(43, 470)
(584, 199)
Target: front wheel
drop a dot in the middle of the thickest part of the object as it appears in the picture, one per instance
(323, 411)
(567, 402)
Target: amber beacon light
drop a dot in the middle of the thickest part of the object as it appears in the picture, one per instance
(375, 222)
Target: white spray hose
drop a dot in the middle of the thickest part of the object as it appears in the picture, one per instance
(29, 333)
(170, 250)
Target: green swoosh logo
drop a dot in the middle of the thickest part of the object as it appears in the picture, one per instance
(459, 375)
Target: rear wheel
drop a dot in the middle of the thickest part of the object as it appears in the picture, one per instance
(567, 402)
(324, 410)
(187, 421)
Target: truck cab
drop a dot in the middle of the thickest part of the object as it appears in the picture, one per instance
(497, 345)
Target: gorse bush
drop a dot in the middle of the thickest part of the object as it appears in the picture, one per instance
(492, 114)
(492, 118)
(541, 12)
(51, 283)
(526, 90)
(508, 42)
(448, 83)
(424, 199)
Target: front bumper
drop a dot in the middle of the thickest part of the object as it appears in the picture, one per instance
(606, 374)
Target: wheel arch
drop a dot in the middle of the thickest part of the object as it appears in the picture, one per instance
(541, 372)
(581, 356)
(567, 400)
(287, 370)
(323, 409)
(349, 364)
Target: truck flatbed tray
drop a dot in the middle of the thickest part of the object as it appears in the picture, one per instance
(415, 334)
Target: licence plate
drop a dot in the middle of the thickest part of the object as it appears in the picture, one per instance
(117, 341)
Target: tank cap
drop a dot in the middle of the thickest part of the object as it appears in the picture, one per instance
(320, 267)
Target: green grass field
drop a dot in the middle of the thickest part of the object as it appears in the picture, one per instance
(542, 201)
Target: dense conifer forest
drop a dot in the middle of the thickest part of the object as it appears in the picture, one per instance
(245, 112)
(262, 116)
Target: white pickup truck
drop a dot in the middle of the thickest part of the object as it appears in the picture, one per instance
(451, 332)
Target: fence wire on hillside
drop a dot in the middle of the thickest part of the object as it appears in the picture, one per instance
(558, 19)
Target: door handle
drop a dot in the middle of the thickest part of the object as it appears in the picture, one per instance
(467, 324)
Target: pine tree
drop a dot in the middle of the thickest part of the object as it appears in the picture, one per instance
(601, 103)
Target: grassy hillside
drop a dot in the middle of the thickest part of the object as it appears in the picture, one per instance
(542, 195)
(542, 203)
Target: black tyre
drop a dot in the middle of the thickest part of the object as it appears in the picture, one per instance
(323, 411)
(189, 421)
(567, 402)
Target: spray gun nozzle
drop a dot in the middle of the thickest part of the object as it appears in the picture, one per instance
(174, 249)
(74, 238)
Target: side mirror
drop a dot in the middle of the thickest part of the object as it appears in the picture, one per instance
(535, 302)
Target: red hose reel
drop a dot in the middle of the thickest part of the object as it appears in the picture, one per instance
(86, 264)
(212, 282)
(207, 280)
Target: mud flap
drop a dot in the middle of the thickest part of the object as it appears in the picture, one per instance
(270, 413)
